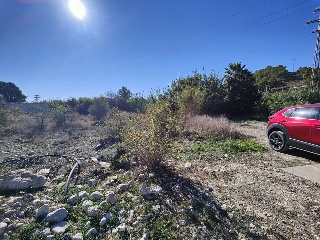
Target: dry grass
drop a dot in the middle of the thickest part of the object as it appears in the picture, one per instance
(210, 126)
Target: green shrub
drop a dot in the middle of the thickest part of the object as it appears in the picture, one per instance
(98, 109)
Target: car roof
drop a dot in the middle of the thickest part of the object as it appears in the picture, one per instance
(306, 105)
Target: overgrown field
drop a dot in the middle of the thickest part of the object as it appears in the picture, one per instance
(157, 175)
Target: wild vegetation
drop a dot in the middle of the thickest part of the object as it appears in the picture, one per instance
(160, 157)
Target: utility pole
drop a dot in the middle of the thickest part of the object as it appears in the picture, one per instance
(36, 98)
(316, 57)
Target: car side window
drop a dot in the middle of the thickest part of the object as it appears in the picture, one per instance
(317, 110)
(306, 113)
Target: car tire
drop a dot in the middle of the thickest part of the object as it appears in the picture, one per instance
(278, 141)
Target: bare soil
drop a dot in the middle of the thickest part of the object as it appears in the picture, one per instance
(263, 200)
(254, 197)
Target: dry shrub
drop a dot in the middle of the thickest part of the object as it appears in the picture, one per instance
(211, 126)
(146, 137)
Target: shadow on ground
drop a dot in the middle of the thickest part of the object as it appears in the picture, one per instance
(303, 154)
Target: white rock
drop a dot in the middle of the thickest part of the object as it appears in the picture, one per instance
(156, 189)
(88, 224)
(6, 220)
(96, 195)
(57, 215)
(78, 236)
(45, 232)
(93, 211)
(92, 182)
(145, 236)
(122, 227)
(103, 221)
(182, 222)
(3, 227)
(21, 180)
(111, 197)
(187, 165)
(60, 227)
(87, 203)
(42, 211)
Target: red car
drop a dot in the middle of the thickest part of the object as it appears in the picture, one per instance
(297, 127)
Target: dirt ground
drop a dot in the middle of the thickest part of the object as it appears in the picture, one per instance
(262, 199)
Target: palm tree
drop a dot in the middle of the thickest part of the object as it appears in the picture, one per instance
(242, 92)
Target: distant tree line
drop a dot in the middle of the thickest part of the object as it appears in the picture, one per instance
(239, 92)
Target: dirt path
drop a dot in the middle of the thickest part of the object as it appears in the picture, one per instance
(256, 192)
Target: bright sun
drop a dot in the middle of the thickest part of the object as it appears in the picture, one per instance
(77, 8)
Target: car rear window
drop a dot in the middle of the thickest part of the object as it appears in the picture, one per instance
(288, 112)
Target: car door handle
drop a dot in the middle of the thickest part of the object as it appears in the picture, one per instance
(317, 126)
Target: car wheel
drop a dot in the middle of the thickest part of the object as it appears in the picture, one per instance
(278, 142)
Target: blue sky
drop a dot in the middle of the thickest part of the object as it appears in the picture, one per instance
(145, 44)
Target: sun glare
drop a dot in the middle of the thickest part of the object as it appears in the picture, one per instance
(77, 9)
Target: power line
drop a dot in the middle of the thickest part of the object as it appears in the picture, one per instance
(203, 42)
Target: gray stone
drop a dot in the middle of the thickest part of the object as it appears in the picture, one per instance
(96, 195)
(92, 232)
(60, 227)
(108, 215)
(103, 204)
(42, 211)
(103, 221)
(57, 215)
(18, 225)
(3, 227)
(72, 199)
(111, 197)
(83, 194)
(93, 211)
(87, 203)
(21, 180)
(6, 220)
(145, 191)
(92, 182)
(123, 187)
(21, 214)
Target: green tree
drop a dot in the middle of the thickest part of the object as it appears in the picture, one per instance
(214, 101)
(242, 93)
(11, 92)
(269, 77)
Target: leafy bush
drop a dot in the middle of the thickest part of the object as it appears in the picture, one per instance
(98, 109)
(190, 101)
(273, 102)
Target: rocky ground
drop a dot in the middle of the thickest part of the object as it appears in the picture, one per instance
(203, 195)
